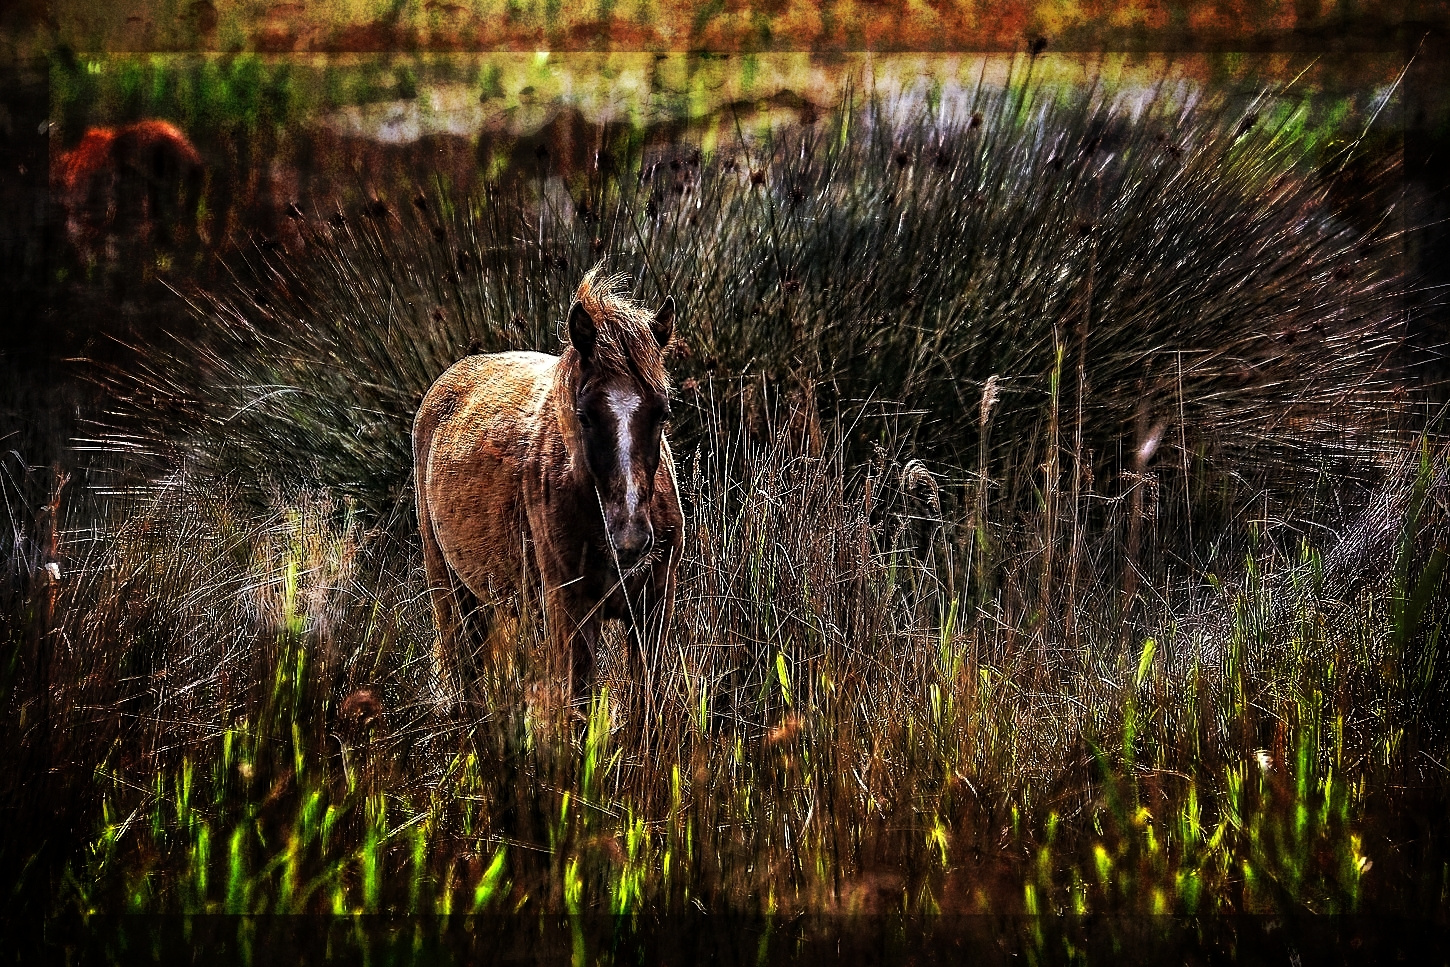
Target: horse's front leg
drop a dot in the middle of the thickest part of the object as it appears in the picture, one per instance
(651, 613)
(572, 631)
(582, 647)
(651, 608)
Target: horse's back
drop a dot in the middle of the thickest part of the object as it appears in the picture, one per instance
(474, 432)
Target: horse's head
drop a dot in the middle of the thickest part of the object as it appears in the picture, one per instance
(621, 403)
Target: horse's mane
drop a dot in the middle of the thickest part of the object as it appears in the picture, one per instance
(624, 340)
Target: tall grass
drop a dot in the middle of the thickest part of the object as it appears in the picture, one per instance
(831, 731)
(1008, 445)
(1182, 321)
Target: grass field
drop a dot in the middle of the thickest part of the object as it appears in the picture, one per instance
(1066, 539)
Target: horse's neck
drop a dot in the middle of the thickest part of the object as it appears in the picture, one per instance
(556, 444)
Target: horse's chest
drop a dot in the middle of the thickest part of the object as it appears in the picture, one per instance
(560, 513)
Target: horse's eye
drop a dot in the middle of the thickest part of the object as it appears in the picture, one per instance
(583, 419)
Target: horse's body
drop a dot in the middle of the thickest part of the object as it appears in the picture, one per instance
(547, 478)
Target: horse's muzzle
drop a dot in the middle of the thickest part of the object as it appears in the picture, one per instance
(632, 542)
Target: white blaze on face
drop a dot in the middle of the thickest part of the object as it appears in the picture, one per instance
(623, 403)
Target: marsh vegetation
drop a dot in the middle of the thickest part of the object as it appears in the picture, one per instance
(1066, 534)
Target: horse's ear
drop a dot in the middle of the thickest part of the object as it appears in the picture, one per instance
(663, 325)
(581, 331)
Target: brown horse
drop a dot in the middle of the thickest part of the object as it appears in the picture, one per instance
(548, 478)
(138, 181)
